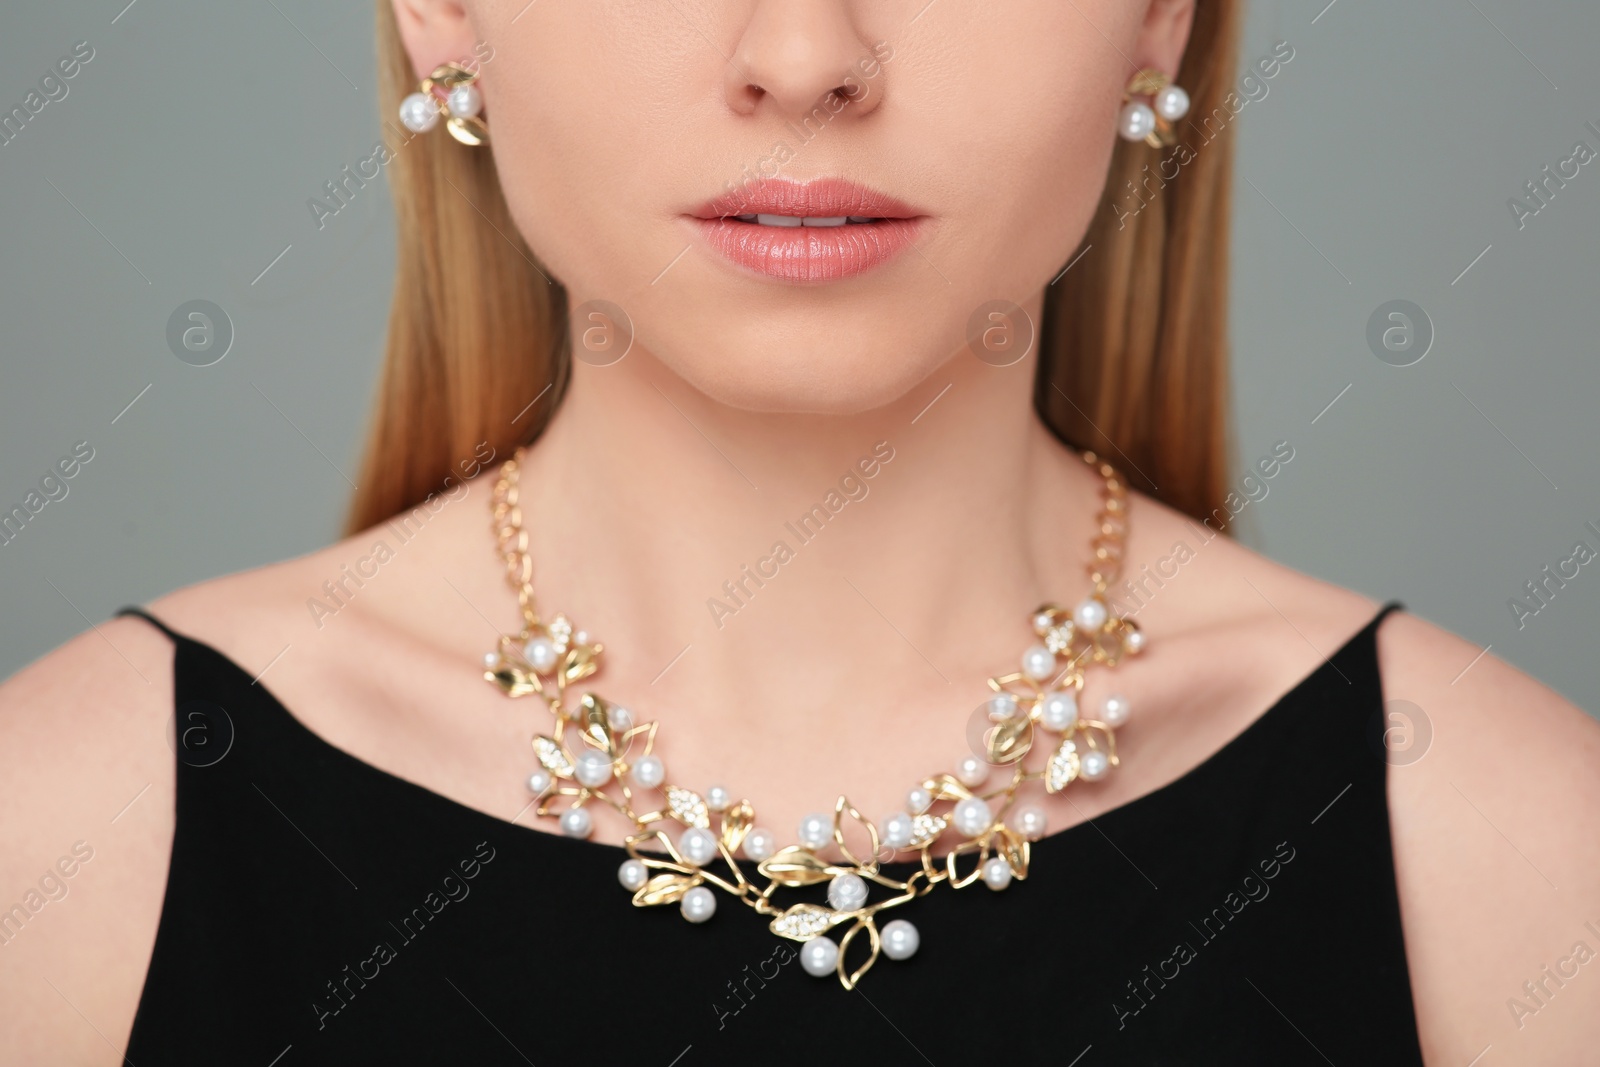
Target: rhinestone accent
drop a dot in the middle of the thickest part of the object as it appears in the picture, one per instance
(688, 807)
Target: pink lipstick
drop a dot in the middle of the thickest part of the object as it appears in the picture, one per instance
(817, 231)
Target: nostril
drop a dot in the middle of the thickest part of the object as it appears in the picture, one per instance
(749, 95)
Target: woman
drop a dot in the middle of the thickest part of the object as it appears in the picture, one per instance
(804, 309)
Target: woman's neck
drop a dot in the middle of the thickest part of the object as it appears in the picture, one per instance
(804, 562)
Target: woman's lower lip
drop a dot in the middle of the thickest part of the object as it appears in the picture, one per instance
(809, 253)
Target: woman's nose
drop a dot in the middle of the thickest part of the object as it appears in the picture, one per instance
(793, 54)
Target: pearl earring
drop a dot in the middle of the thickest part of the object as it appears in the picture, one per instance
(450, 92)
(1152, 122)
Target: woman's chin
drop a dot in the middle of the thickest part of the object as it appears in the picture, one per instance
(805, 383)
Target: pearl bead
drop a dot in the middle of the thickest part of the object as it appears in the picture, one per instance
(819, 956)
(698, 904)
(465, 100)
(418, 112)
(917, 800)
(1090, 615)
(1042, 622)
(698, 846)
(576, 822)
(899, 939)
(816, 830)
(541, 654)
(1134, 642)
(896, 830)
(847, 892)
(619, 719)
(491, 660)
(538, 782)
(972, 771)
(717, 798)
(1114, 712)
(633, 874)
(1094, 765)
(648, 772)
(1030, 822)
(972, 816)
(1136, 121)
(592, 768)
(1038, 663)
(1058, 710)
(759, 844)
(996, 873)
(1002, 706)
(1172, 103)
(580, 638)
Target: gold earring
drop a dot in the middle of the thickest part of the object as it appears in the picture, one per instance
(449, 92)
(1152, 122)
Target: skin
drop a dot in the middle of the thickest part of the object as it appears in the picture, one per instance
(998, 123)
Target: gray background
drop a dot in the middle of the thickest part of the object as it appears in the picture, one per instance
(1377, 167)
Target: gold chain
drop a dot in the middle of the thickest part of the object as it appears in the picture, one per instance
(544, 658)
(511, 535)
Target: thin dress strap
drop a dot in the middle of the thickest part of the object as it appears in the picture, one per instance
(1383, 613)
(139, 612)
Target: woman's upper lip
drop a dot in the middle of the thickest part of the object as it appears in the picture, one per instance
(821, 198)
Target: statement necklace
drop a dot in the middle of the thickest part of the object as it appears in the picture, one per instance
(1031, 710)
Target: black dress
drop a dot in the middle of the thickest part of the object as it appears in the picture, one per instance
(319, 910)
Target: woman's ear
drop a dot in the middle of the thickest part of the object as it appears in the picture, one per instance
(1162, 36)
(434, 32)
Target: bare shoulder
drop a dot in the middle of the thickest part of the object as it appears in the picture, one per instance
(84, 839)
(88, 756)
(1496, 852)
(1494, 798)
(1193, 576)
(88, 761)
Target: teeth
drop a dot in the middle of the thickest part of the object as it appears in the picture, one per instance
(791, 221)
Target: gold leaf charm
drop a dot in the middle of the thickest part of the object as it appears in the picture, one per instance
(665, 889)
(688, 807)
(926, 828)
(737, 821)
(795, 866)
(849, 979)
(957, 879)
(597, 724)
(468, 129)
(1062, 768)
(1010, 740)
(946, 787)
(579, 663)
(512, 680)
(1015, 848)
(841, 808)
(802, 922)
(552, 756)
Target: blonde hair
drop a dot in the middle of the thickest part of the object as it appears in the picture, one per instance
(1133, 347)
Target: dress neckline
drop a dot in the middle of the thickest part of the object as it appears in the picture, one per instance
(1207, 766)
